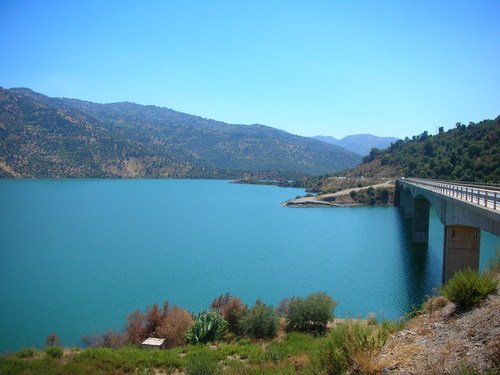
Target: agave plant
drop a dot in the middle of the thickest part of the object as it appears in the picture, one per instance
(208, 326)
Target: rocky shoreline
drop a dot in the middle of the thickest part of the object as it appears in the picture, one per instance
(302, 202)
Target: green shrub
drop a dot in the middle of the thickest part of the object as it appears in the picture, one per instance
(329, 199)
(311, 314)
(260, 321)
(26, 353)
(202, 362)
(273, 353)
(384, 196)
(208, 326)
(331, 358)
(352, 344)
(468, 288)
(54, 351)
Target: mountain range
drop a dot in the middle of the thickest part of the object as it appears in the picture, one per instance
(359, 143)
(44, 137)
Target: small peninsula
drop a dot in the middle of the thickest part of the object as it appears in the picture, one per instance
(380, 194)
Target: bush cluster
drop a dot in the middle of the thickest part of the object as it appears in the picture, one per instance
(310, 314)
(352, 344)
(168, 323)
(371, 196)
(232, 310)
(467, 288)
(54, 351)
(261, 321)
(26, 353)
(227, 313)
(175, 323)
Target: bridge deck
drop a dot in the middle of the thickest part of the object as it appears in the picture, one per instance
(487, 197)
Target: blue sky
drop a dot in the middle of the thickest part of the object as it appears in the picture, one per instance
(308, 67)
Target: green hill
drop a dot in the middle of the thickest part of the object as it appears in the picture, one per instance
(55, 137)
(466, 153)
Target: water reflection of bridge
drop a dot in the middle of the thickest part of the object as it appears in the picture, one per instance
(464, 209)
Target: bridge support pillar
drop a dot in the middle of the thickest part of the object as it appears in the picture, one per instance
(420, 222)
(397, 194)
(461, 249)
(408, 205)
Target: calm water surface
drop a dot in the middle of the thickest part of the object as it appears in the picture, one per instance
(76, 256)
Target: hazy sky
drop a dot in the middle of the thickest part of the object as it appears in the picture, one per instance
(308, 67)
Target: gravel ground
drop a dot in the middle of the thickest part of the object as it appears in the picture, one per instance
(446, 342)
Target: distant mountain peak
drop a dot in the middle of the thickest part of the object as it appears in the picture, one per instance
(359, 143)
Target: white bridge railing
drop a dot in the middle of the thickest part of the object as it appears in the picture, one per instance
(485, 196)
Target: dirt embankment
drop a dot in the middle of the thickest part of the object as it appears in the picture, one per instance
(445, 342)
(341, 198)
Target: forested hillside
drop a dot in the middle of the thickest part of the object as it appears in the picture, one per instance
(54, 137)
(465, 153)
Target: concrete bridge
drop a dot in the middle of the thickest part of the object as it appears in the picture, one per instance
(464, 209)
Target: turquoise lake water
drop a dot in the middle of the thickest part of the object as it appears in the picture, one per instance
(76, 256)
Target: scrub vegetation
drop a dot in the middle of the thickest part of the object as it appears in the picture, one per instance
(467, 153)
(300, 336)
(468, 288)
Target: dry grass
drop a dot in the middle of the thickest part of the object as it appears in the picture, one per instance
(366, 362)
(441, 341)
(493, 348)
(435, 304)
(300, 361)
